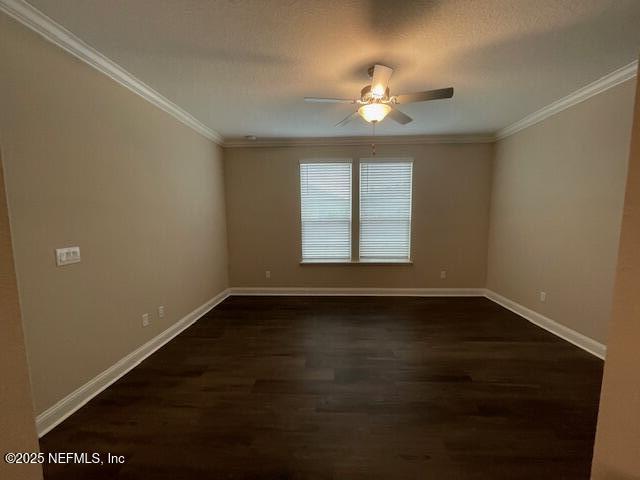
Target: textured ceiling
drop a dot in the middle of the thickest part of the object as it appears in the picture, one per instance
(243, 66)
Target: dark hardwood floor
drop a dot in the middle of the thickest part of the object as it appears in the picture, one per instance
(346, 388)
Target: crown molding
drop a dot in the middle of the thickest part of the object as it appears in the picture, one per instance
(40, 23)
(356, 141)
(608, 81)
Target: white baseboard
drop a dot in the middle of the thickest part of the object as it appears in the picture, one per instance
(566, 333)
(578, 339)
(57, 413)
(378, 292)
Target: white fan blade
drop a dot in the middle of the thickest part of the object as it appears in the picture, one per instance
(380, 80)
(328, 100)
(346, 120)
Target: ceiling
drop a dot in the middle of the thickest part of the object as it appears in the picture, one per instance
(242, 67)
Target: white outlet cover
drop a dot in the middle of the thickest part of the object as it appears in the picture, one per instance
(161, 311)
(543, 296)
(145, 320)
(267, 273)
(67, 256)
(443, 274)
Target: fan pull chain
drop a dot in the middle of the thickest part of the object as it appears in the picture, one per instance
(373, 145)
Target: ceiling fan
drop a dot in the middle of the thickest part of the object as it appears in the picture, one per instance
(375, 102)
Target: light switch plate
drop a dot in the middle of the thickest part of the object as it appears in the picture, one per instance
(67, 255)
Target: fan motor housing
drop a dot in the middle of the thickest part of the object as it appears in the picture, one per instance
(367, 97)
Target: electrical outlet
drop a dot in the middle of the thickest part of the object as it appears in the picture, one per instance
(161, 311)
(67, 256)
(443, 274)
(146, 320)
(267, 274)
(543, 296)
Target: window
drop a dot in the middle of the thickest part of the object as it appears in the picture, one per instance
(325, 201)
(385, 210)
(384, 188)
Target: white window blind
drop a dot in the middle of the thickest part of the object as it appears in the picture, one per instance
(385, 210)
(325, 197)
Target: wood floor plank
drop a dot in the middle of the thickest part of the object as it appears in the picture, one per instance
(346, 388)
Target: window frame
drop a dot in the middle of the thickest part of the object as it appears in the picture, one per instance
(355, 213)
(327, 261)
(379, 261)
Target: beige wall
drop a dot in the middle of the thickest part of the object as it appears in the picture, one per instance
(449, 224)
(556, 208)
(17, 427)
(89, 163)
(617, 449)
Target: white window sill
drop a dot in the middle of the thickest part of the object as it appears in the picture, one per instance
(356, 262)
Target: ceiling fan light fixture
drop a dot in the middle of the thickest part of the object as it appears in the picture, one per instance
(376, 102)
(374, 112)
